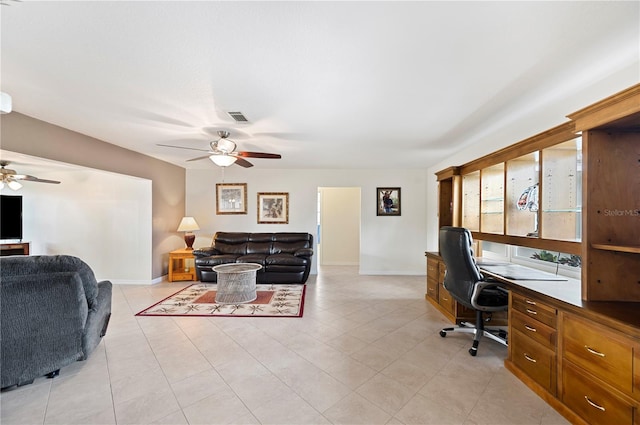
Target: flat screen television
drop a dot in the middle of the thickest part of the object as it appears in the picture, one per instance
(10, 217)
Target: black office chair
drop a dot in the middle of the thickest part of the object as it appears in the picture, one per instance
(468, 286)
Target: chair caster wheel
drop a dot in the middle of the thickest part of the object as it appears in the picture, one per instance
(473, 352)
(443, 334)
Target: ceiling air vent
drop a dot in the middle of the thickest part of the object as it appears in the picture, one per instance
(238, 116)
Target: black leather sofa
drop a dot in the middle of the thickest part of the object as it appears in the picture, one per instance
(284, 257)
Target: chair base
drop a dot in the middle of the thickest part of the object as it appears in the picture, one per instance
(496, 334)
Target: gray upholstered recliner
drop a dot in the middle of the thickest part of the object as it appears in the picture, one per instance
(53, 313)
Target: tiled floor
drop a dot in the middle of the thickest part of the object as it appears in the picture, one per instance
(367, 351)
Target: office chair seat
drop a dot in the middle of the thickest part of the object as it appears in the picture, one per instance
(468, 286)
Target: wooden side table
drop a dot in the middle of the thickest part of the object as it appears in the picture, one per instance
(182, 265)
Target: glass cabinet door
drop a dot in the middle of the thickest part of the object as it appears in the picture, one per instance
(561, 194)
(522, 195)
(471, 201)
(492, 199)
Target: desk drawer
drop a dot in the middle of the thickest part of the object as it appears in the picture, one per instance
(605, 354)
(535, 309)
(534, 329)
(594, 402)
(445, 299)
(432, 268)
(536, 360)
(432, 288)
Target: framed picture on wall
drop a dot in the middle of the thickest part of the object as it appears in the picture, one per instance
(231, 198)
(388, 201)
(273, 207)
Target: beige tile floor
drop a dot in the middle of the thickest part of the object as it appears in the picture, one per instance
(367, 351)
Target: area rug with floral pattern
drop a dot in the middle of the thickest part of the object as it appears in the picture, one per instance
(273, 300)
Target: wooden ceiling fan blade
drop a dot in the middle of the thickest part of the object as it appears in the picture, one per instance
(258, 155)
(243, 163)
(183, 147)
(33, 179)
(198, 158)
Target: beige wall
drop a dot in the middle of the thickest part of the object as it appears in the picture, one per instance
(340, 226)
(29, 136)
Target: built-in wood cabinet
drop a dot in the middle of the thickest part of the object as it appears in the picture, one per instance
(598, 363)
(583, 355)
(611, 249)
(532, 339)
(529, 194)
(438, 296)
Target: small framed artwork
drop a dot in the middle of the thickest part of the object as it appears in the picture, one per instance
(388, 201)
(231, 198)
(273, 207)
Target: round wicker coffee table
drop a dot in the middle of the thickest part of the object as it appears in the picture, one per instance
(236, 282)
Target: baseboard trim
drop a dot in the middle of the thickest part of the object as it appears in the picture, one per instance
(137, 282)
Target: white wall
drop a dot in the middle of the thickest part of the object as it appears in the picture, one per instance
(389, 244)
(103, 218)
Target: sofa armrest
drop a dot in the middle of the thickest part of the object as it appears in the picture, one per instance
(205, 252)
(303, 252)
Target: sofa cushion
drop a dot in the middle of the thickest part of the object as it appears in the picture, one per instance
(288, 247)
(216, 260)
(259, 248)
(286, 260)
(252, 258)
(231, 248)
(260, 237)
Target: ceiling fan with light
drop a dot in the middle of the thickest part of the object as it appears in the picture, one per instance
(223, 152)
(12, 179)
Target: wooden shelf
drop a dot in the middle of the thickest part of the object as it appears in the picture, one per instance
(617, 248)
(16, 248)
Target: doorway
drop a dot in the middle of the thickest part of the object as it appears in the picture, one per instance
(338, 226)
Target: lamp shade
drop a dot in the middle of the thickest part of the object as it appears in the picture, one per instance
(223, 160)
(188, 224)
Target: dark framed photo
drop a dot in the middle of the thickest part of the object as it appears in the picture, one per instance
(388, 201)
(231, 198)
(273, 207)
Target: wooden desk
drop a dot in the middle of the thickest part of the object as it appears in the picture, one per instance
(579, 356)
(181, 265)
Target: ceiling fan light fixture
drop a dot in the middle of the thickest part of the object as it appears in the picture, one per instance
(14, 185)
(223, 160)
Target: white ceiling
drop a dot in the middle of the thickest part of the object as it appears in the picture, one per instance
(325, 84)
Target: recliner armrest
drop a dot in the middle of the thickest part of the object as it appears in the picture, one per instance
(205, 252)
(303, 252)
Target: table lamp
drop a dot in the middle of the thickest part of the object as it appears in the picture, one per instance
(188, 225)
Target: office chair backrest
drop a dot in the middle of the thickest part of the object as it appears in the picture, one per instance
(462, 272)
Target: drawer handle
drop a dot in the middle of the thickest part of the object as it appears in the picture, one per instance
(445, 299)
(597, 406)
(526, 356)
(530, 302)
(529, 328)
(594, 352)
(532, 311)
